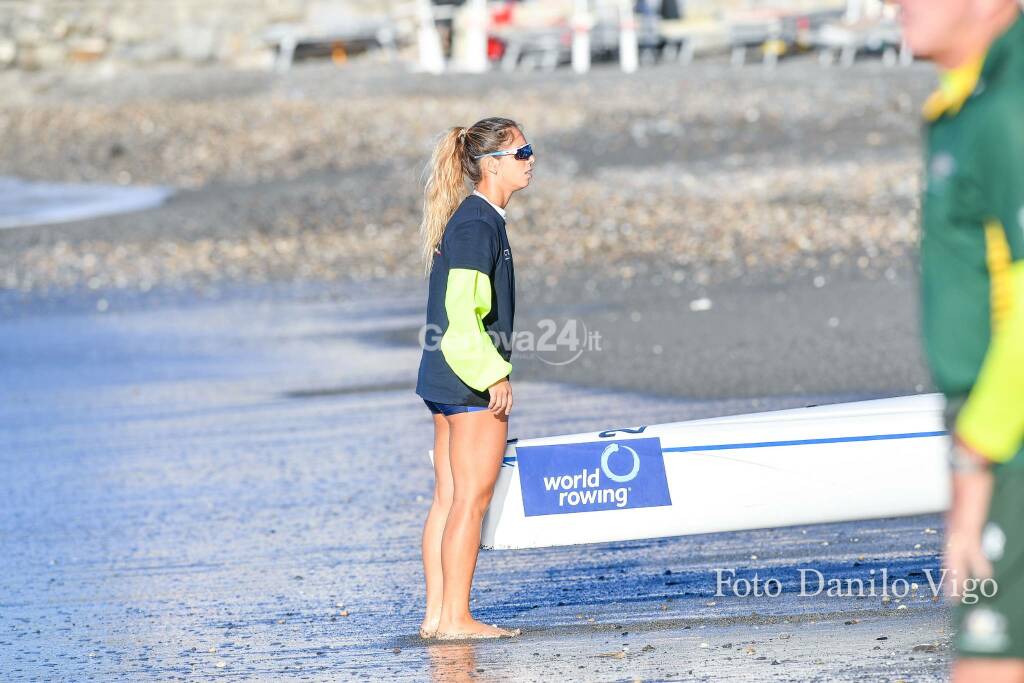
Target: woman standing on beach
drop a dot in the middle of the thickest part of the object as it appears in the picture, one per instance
(463, 374)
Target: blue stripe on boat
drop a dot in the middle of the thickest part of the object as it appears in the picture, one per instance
(508, 461)
(803, 442)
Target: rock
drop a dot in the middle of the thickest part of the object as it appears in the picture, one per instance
(705, 304)
(8, 52)
(50, 55)
(28, 34)
(197, 43)
(87, 49)
(148, 52)
(123, 28)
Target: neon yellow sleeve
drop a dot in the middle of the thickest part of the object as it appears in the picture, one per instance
(992, 420)
(470, 353)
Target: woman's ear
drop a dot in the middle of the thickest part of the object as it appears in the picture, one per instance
(492, 165)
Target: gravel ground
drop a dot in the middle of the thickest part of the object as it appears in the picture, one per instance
(701, 174)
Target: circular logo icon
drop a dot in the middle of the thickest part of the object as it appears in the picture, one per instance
(621, 478)
(943, 165)
(993, 542)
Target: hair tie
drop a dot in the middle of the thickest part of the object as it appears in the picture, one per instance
(462, 134)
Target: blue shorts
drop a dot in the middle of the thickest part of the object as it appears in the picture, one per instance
(450, 409)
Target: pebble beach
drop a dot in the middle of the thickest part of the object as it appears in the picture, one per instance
(700, 174)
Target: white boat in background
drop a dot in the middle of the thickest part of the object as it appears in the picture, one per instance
(811, 465)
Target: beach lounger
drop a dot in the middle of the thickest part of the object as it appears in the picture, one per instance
(332, 30)
(684, 37)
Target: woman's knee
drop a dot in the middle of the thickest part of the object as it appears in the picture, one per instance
(443, 496)
(470, 504)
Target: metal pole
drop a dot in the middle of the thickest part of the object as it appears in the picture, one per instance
(629, 46)
(581, 25)
(472, 56)
(431, 55)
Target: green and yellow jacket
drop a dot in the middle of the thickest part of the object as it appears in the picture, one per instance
(972, 247)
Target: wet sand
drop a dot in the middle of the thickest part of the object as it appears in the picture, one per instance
(205, 488)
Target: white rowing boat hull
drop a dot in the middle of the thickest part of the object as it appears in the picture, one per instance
(809, 465)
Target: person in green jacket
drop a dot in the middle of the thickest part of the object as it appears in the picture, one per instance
(972, 288)
(467, 345)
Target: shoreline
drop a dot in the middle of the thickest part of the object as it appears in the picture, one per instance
(236, 449)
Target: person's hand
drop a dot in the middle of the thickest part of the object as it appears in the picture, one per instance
(965, 521)
(501, 397)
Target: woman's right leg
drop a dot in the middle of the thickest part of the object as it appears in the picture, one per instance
(433, 529)
(477, 442)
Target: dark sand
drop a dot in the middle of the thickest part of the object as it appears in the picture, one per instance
(211, 488)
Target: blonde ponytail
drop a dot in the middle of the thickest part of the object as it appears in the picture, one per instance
(451, 165)
(445, 190)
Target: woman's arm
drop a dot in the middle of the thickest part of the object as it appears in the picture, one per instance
(466, 347)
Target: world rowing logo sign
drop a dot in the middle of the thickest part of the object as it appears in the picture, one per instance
(583, 477)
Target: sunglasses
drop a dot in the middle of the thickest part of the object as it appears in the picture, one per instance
(522, 154)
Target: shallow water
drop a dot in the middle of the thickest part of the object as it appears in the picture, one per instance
(24, 202)
(201, 488)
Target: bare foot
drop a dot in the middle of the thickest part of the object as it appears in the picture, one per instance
(428, 629)
(474, 629)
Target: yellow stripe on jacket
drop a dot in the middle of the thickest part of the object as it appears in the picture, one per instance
(992, 420)
(465, 345)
